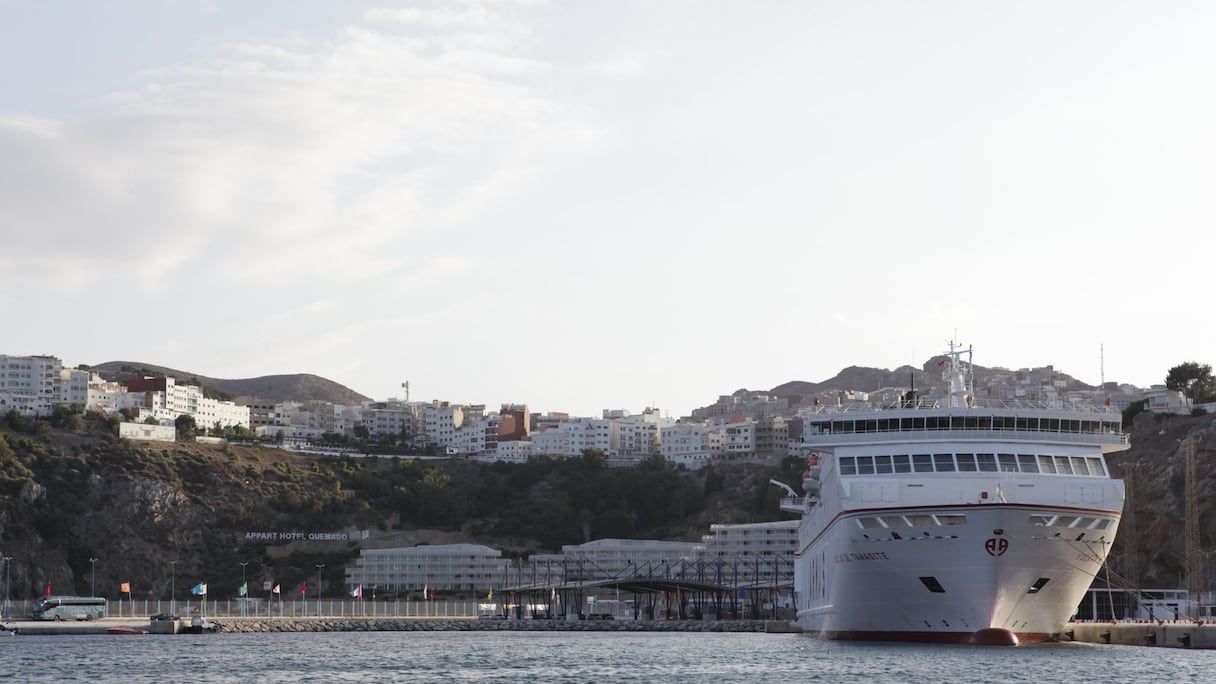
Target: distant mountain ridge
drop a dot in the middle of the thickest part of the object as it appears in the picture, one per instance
(292, 387)
(866, 379)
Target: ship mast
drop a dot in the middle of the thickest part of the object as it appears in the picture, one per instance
(958, 374)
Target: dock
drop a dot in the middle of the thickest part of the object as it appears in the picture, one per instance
(1151, 633)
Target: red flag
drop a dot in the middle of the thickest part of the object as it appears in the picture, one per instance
(303, 588)
(47, 591)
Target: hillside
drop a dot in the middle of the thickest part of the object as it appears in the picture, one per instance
(294, 387)
(70, 491)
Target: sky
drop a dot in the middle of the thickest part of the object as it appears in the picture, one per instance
(606, 204)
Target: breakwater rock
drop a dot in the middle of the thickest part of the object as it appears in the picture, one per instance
(435, 625)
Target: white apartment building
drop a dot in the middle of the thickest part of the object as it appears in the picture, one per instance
(764, 550)
(444, 567)
(510, 452)
(387, 421)
(691, 445)
(165, 400)
(73, 387)
(638, 437)
(107, 397)
(604, 558)
(478, 436)
(570, 437)
(29, 384)
(440, 420)
(739, 439)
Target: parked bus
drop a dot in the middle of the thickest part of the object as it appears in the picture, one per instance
(69, 608)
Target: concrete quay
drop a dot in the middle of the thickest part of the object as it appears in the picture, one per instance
(249, 625)
(322, 624)
(1147, 633)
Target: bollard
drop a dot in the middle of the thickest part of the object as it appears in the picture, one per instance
(1105, 637)
(1150, 639)
(1185, 640)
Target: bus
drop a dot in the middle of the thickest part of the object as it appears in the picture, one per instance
(69, 608)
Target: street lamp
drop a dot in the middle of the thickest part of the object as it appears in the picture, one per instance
(244, 593)
(8, 613)
(320, 566)
(172, 588)
(93, 577)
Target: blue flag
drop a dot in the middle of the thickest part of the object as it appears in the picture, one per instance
(199, 589)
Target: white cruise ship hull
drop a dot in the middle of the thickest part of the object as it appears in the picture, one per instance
(988, 573)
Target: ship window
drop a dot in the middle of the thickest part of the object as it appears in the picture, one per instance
(920, 520)
(901, 463)
(865, 465)
(966, 462)
(1062, 465)
(870, 523)
(1065, 521)
(951, 519)
(1046, 465)
(944, 463)
(1095, 466)
(921, 463)
(848, 466)
(1039, 520)
(1008, 463)
(1027, 464)
(1078, 466)
(1038, 584)
(894, 521)
(933, 585)
(1103, 524)
(1050, 424)
(1024, 424)
(882, 464)
(987, 462)
(1086, 523)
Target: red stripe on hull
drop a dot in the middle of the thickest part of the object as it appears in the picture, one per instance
(943, 637)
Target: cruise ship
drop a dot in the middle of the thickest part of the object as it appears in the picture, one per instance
(951, 521)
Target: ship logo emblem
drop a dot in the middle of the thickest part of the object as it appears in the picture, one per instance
(996, 546)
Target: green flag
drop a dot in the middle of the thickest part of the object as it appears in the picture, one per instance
(243, 590)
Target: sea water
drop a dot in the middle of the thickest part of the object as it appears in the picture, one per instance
(669, 658)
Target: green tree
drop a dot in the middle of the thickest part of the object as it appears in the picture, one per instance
(186, 427)
(1195, 379)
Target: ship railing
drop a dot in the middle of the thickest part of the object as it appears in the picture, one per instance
(1102, 438)
(942, 403)
(792, 503)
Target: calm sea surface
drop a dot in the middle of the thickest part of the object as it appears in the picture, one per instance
(572, 657)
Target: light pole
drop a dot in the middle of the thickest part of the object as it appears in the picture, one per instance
(8, 613)
(320, 566)
(93, 577)
(244, 588)
(172, 588)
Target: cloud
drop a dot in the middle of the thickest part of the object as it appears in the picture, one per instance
(276, 163)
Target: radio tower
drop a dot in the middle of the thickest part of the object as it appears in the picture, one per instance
(1194, 568)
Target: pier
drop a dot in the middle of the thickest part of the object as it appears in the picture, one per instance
(1151, 633)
